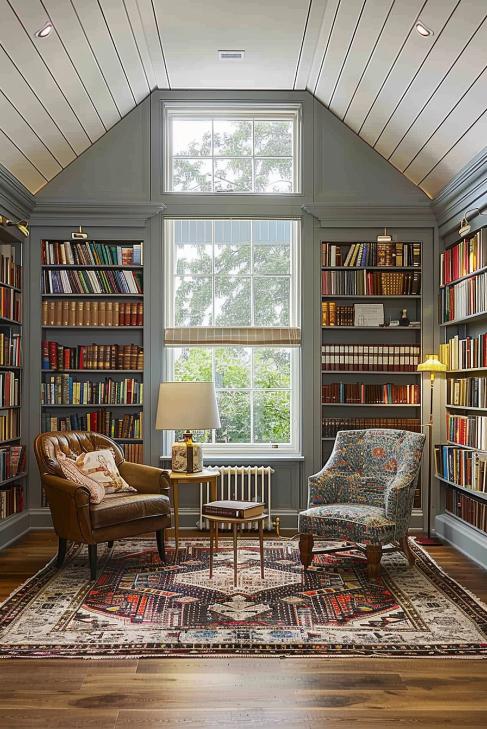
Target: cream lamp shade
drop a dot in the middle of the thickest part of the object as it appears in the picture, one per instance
(187, 406)
(431, 364)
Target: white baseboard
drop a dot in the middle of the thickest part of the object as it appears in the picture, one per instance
(468, 541)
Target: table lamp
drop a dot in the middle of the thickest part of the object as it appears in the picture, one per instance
(432, 365)
(187, 406)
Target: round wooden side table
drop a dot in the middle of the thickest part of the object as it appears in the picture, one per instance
(214, 520)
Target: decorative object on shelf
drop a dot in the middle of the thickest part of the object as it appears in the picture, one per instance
(404, 320)
(189, 406)
(432, 365)
(368, 315)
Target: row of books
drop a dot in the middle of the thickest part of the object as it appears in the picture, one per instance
(472, 511)
(10, 349)
(133, 452)
(331, 426)
(9, 425)
(467, 430)
(91, 253)
(10, 304)
(371, 254)
(56, 356)
(468, 392)
(464, 298)
(10, 271)
(332, 314)
(464, 354)
(463, 258)
(463, 467)
(65, 390)
(11, 500)
(99, 281)
(100, 421)
(74, 313)
(9, 389)
(361, 393)
(370, 357)
(370, 283)
(12, 461)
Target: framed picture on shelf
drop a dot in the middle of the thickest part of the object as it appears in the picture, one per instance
(368, 315)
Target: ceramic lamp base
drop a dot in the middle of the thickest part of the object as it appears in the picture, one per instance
(187, 458)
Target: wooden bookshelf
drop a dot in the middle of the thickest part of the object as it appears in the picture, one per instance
(83, 335)
(341, 334)
(13, 480)
(456, 507)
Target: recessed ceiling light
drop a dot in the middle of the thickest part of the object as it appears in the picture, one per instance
(231, 55)
(46, 29)
(423, 30)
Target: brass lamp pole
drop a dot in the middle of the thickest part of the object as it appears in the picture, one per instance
(432, 365)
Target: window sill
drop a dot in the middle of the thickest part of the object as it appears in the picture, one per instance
(221, 460)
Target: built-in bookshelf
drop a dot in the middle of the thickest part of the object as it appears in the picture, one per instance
(92, 354)
(13, 473)
(366, 340)
(460, 462)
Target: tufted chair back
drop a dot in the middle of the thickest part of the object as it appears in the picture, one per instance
(72, 443)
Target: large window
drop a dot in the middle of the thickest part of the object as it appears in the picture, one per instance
(217, 148)
(232, 316)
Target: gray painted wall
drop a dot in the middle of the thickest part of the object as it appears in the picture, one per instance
(349, 189)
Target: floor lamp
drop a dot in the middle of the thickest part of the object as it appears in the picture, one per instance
(432, 365)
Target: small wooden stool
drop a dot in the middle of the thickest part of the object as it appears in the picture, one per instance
(215, 520)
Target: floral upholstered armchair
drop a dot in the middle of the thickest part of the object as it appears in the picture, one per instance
(364, 494)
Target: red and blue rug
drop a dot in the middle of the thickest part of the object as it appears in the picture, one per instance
(139, 607)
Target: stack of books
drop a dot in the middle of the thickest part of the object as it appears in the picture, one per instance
(467, 430)
(56, 356)
(72, 313)
(371, 254)
(12, 461)
(133, 452)
(361, 393)
(465, 298)
(65, 390)
(464, 467)
(464, 354)
(11, 501)
(465, 257)
(331, 426)
(233, 509)
(10, 271)
(470, 510)
(370, 357)
(332, 314)
(10, 349)
(10, 304)
(370, 283)
(128, 427)
(467, 392)
(9, 389)
(91, 253)
(86, 282)
(9, 425)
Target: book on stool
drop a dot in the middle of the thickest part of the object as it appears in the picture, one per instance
(233, 509)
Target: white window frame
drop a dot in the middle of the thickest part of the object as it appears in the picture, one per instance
(294, 448)
(241, 111)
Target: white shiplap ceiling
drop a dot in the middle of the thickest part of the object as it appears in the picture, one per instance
(420, 102)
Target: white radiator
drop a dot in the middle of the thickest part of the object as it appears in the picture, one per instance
(243, 483)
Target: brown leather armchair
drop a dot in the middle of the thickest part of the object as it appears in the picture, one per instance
(117, 516)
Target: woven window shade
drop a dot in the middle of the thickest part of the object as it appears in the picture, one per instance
(246, 336)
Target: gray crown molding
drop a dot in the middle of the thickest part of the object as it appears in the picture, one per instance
(133, 214)
(350, 215)
(15, 200)
(466, 191)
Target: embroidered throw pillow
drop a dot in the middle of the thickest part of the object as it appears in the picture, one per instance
(72, 473)
(101, 467)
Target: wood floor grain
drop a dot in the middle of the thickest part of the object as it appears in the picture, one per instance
(237, 693)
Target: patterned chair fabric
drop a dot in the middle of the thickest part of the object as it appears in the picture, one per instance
(365, 491)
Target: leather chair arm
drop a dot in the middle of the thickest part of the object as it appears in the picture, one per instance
(70, 508)
(146, 479)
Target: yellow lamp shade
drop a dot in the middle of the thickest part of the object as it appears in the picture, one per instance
(431, 364)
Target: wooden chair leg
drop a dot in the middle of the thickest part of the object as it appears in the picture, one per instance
(160, 545)
(306, 542)
(374, 554)
(406, 549)
(110, 544)
(61, 552)
(92, 556)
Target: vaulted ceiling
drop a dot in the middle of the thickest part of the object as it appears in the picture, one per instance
(421, 102)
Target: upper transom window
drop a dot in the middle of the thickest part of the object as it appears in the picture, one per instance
(236, 148)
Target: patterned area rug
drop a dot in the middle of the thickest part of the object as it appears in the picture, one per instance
(139, 607)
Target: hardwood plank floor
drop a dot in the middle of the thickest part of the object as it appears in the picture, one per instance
(238, 693)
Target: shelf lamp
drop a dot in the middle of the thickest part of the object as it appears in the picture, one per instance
(432, 365)
(187, 406)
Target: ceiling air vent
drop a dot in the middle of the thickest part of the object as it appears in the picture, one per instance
(231, 55)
